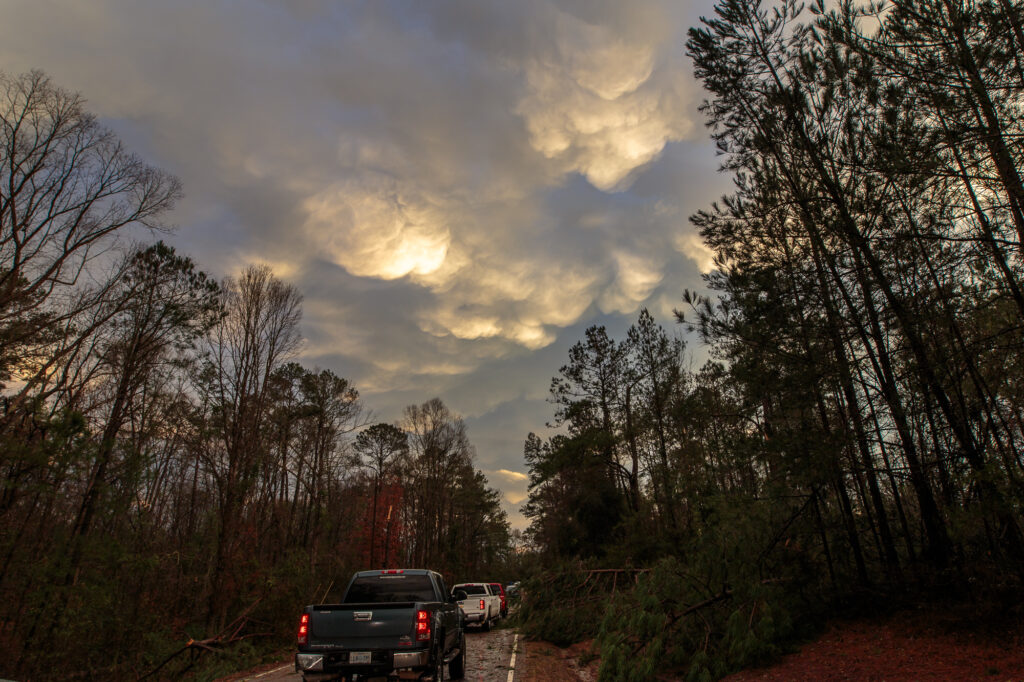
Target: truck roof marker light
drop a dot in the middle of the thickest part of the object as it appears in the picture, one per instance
(304, 629)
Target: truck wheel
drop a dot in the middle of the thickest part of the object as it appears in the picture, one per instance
(457, 666)
(486, 627)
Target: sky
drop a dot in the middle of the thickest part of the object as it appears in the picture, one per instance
(458, 188)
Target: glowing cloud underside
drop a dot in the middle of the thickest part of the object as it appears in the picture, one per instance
(694, 248)
(595, 106)
(512, 475)
(513, 483)
(376, 232)
(595, 100)
(637, 277)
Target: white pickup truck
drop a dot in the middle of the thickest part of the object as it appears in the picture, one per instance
(480, 605)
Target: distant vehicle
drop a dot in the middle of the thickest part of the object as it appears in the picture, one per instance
(497, 588)
(512, 590)
(392, 623)
(480, 605)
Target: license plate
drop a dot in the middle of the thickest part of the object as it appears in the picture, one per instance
(359, 657)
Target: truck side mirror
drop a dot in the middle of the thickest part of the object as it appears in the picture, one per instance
(460, 595)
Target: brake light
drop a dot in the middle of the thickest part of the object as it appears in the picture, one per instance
(482, 606)
(393, 571)
(304, 629)
(423, 626)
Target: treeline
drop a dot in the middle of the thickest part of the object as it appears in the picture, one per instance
(858, 430)
(169, 472)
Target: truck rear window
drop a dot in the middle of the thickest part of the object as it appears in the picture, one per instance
(378, 589)
(472, 589)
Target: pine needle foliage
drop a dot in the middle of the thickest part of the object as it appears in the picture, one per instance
(675, 620)
(557, 607)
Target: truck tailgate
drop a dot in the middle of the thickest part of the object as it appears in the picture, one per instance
(362, 626)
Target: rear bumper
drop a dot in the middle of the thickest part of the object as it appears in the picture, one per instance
(328, 665)
(411, 659)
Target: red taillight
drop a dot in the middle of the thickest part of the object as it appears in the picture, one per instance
(393, 571)
(423, 626)
(482, 605)
(304, 629)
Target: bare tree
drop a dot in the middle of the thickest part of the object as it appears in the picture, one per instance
(259, 332)
(164, 304)
(440, 447)
(67, 185)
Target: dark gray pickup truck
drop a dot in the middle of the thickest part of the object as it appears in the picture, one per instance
(397, 623)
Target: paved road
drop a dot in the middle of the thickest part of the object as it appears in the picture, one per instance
(488, 658)
(488, 655)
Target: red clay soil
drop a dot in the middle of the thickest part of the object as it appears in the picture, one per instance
(906, 646)
(544, 662)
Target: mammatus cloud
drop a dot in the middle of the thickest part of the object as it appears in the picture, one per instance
(694, 248)
(637, 276)
(430, 146)
(599, 99)
(483, 289)
(595, 104)
(373, 229)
